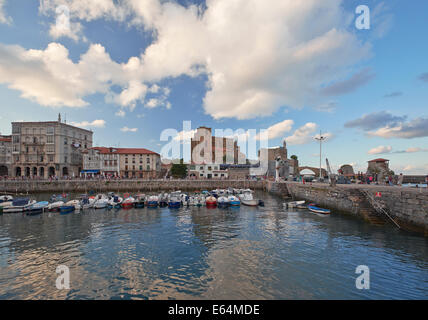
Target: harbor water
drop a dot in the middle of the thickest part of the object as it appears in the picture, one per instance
(202, 253)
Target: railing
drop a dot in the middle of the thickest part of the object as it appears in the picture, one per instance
(377, 206)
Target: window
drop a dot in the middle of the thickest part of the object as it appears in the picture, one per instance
(201, 175)
(209, 168)
(15, 139)
(50, 139)
(16, 129)
(126, 168)
(148, 160)
(65, 159)
(133, 167)
(126, 160)
(51, 158)
(148, 167)
(41, 159)
(50, 130)
(141, 168)
(65, 141)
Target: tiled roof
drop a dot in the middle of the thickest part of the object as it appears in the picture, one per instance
(379, 160)
(124, 150)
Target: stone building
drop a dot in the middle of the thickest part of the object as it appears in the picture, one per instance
(49, 148)
(101, 161)
(268, 158)
(377, 166)
(206, 171)
(219, 148)
(347, 170)
(5, 155)
(139, 163)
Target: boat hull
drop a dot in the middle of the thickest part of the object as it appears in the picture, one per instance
(250, 203)
(66, 209)
(319, 210)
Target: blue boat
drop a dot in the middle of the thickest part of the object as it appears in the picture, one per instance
(66, 209)
(36, 208)
(316, 209)
(174, 204)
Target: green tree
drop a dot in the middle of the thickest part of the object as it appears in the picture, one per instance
(294, 157)
(179, 170)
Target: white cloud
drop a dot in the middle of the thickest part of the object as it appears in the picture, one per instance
(277, 130)
(74, 31)
(93, 124)
(126, 129)
(260, 66)
(3, 16)
(135, 91)
(380, 150)
(302, 135)
(415, 128)
(120, 113)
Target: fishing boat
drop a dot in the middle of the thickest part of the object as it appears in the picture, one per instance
(293, 204)
(66, 209)
(18, 205)
(74, 203)
(211, 201)
(153, 201)
(36, 208)
(55, 206)
(247, 198)
(5, 204)
(223, 202)
(316, 209)
(6, 198)
(140, 200)
(86, 203)
(101, 202)
(174, 200)
(234, 201)
(128, 203)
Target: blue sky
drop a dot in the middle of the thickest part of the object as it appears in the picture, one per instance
(130, 70)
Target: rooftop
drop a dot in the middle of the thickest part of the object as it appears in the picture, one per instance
(106, 150)
(379, 160)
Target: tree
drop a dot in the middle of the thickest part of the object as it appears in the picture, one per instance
(179, 170)
(294, 157)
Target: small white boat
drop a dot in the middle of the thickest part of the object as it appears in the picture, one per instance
(223, 201)
(74, 203)
(101, 202)
(55, 206)
(247, 199)
(5, 204)
(6, 198)
(19, 205)
(293, 204)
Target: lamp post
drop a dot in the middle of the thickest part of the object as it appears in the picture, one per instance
(321, 138)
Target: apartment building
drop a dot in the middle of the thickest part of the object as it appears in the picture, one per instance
(139, 163)
(48, 148)
(5, 155)
(101, 161)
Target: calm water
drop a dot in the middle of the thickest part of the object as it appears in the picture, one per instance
(194, 253)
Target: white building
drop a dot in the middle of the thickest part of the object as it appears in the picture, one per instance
(206, 171)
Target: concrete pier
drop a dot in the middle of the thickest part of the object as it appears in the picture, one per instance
(407, 206)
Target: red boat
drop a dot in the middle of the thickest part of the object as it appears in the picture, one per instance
(128, 203)
(211, 202)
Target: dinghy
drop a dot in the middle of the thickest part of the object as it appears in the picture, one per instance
(36, 208)
(223, 202)
(211, 201)
(234, 201)
(247, 199)
(316, 209)
(55, 206)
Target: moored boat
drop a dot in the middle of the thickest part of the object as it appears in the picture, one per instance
(153, 201)
(247, 198)
(55, 206)
(128, 203)
(66, 209)
(140, 200)
(6, 198)
(174, 200)
(316, 209)
(211, 201)
(36, 208)
(223, 202)
(234, 201)
(101, 202)
(18, 205)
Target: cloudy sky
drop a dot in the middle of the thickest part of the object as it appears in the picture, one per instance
(128, 69)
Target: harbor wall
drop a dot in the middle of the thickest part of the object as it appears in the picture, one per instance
(407, 206)
(83, 186)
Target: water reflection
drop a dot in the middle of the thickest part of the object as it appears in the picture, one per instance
(193, 253)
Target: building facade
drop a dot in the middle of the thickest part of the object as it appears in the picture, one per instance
(48, 149)
(139, 163)
(5, 155)
(207, 149)
(101, 161)
(206, 171)
(269, 159)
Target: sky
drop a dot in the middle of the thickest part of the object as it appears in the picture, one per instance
(130, 69)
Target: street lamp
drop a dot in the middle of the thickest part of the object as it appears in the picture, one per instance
(321, 138)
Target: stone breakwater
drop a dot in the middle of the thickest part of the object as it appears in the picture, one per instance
(407, 206)
(83, 186)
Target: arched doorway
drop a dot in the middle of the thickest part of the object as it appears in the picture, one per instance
(27, 172)
(51, 171)
(42, 172)
(4, 171)
(17, 171)
(34, 172)
(65, 171)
